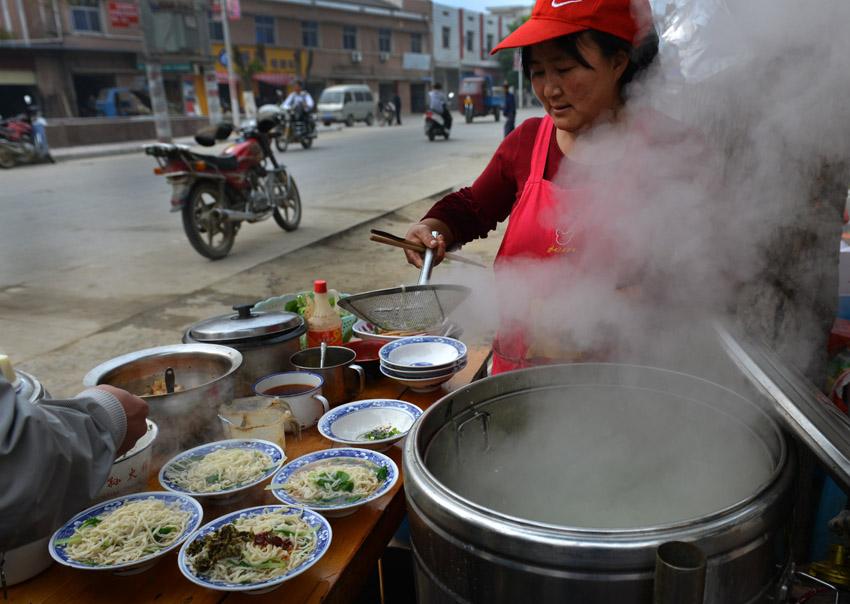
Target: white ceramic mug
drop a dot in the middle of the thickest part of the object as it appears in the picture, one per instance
(307, 406)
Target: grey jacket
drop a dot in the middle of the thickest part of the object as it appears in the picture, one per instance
(55, 457)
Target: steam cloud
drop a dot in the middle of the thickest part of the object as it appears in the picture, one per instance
(671, 209)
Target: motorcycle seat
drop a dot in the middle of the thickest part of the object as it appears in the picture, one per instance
(222, 162)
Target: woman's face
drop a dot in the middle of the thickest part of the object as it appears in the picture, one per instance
(575, 95)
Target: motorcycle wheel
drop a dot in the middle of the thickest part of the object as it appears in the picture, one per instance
(497, 114)
(306, 142)
(211, 237)
(369, 119)
(7, 160)
(446, 134)
(349, 121)
(288, 199)
(281, 143)
(468, 117)
(431, 135)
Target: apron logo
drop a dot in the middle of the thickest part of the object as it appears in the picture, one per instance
(563, 239)
(564, 3)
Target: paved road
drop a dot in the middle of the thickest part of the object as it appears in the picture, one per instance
(86, 244)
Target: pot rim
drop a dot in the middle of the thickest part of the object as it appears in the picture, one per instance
(94, 376)
(486, 518)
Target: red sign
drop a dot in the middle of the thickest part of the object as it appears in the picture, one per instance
(234, 10)
(123, 14)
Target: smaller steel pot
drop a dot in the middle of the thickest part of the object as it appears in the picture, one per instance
(30, 388)
(265, 339)
(343, 379)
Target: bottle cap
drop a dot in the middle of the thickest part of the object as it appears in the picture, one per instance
(320, 286)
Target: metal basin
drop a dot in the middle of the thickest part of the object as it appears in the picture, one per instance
(186, 418)
(559, 483)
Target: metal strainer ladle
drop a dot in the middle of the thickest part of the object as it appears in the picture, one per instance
(418, 307)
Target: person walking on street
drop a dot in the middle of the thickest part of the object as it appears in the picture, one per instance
(510, 110)
(397, 103)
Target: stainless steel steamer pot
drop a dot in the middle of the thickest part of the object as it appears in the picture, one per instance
(468, 552)
(266, 339)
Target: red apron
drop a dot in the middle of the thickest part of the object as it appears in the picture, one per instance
(528, 236)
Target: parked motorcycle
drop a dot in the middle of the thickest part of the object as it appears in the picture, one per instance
(23, 139)
(387, 113)
(217, 193)
(294, 126)
(435, 125)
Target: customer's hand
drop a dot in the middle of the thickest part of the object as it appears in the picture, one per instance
(421, 233)
(137, 412)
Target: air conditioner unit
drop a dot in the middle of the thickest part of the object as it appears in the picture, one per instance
(356, 56)
(384, 56)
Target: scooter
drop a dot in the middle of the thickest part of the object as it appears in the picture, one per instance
(217, 193)
(22, 139)
(435, 125)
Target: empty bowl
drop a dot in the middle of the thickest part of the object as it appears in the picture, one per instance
(422, 352)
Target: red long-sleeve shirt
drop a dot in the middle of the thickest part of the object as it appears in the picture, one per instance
(472, 212)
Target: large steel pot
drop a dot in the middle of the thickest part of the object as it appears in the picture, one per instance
(558, 484)
(266, 339)
(205, 375)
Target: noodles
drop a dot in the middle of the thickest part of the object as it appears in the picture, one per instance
(335, 482)
(131, 532)
(220, 470)
(253, 549)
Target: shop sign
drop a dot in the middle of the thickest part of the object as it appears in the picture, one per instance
(171, 67)
(234, 10)
(123, 14)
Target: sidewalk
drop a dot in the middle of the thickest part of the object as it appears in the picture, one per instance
(136, 146)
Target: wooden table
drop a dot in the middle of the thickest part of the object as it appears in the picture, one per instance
(358, 540)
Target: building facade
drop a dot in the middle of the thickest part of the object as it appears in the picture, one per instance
(326, 42)
(462, 41)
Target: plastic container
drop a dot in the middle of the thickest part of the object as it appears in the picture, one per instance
(323, 321)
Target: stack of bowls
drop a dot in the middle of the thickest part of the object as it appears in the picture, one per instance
(422, 362)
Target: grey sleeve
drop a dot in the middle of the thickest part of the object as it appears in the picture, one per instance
(54, 458)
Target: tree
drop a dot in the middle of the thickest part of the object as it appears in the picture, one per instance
(506, 57)
(248, 70)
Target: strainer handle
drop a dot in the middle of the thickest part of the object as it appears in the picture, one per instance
(427, 263)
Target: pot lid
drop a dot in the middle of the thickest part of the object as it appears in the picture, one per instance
(800, 406)
(246, 324)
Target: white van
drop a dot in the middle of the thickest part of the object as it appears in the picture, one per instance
(347, 103)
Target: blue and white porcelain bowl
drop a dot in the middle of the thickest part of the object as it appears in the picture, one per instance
(352, 423)
(324, 534)
(423, 375)
(420, 385)
(326, 456)
(227, 495)
(184, 502)
(422, 353)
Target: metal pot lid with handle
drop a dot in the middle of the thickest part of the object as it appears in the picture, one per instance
(798, 404)
(247, 325)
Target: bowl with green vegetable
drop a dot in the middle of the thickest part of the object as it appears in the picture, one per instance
(298, 303)
(375, 424)
(335, 482)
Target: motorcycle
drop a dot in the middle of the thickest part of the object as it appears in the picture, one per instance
(387, 114)
(19, 138)
(294, 126)
(435, 125)
(217, 193)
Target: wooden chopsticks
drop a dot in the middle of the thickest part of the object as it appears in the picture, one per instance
(395, 241)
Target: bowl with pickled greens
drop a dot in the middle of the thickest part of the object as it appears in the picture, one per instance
(335, 482)
(371, 424)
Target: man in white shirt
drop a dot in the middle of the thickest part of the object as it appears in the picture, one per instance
(299, 97)
(438, 103)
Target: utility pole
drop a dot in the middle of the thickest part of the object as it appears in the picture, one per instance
(159, 104)
(231, 76)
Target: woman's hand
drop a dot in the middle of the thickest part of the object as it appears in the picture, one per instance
(421, 233)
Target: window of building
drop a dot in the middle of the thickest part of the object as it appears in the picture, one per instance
(85, 15)
(265, 29)
(309, 34)
(447, 37)
(349, 37)
(385, 37)
(470, 36)
(416, 43)
(216, 31)
(489, 42)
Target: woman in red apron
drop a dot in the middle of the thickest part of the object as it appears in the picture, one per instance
(578, 56)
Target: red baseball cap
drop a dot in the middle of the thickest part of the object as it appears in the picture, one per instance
(626, 19)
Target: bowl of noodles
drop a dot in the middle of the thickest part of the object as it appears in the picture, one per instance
(222, 471)
(127, 534)
(255, 550)
(335, 482)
